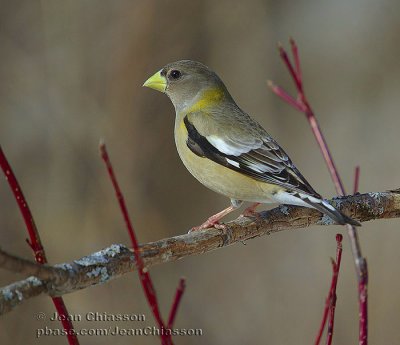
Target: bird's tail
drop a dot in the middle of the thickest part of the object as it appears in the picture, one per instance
(326, 208)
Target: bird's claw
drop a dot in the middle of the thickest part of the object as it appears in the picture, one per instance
(251, 211)
(207, 225)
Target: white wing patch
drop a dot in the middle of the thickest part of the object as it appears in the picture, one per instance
(230, 161)
(233, 148)
(230, 147)
(257, 167)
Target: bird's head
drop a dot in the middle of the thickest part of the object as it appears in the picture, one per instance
(186, 82)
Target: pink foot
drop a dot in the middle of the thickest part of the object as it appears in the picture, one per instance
(213, 221)
(209, 223)
(251, 211)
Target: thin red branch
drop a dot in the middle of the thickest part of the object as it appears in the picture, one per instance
(335, 276)
(363, 311)
(302, 103)
(35, 242)
(285, 96)
(363, 283)
(295, 53)
(325, 150)
(292, 71)
(324, 317)
(144, 275)
(356, 179)
(65, 320)
(177, 299)
(330, 302)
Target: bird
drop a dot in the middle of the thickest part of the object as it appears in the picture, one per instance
(227, 150)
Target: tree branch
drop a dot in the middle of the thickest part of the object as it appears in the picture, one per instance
(116, 260)
(19, 265)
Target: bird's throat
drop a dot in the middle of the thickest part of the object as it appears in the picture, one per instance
(206, 99)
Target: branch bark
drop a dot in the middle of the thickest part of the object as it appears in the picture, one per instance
(116, 260)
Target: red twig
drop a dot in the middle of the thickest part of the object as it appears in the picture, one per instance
(362, 286)
(296, 56)
(292, 71)
(330, 302)
(356, 179)
(35, 242)
(286, 97)
(303, 105)
(175, 304)
(324, 318)
(144, 275)
(335, 276)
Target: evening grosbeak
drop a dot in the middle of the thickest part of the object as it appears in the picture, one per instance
(228, 151)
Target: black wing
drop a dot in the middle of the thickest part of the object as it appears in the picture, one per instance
(267, 163)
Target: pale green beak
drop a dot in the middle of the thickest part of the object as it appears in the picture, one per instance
(156, 82)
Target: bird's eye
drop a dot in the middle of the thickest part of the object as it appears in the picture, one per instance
(175, 74)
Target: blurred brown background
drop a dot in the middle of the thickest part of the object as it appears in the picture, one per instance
(71, 73)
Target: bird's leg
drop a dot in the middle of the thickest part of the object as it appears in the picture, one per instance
(251, 210)
(213, 221)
